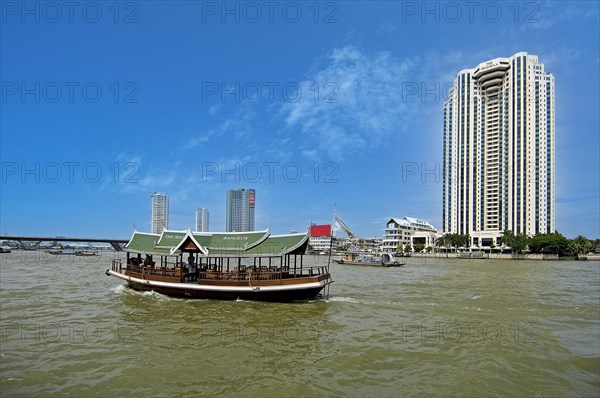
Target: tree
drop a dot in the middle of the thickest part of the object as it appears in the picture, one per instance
(399, 248)
(517, 243)
(419, 247)
(428, 249)
(408, 248)
(582, 245)
(551, 243)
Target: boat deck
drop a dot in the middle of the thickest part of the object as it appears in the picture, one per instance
(235, 277)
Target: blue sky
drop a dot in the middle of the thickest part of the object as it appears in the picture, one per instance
(312, 104)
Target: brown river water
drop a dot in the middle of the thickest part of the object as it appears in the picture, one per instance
(442, 327)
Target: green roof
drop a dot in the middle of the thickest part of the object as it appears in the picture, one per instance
(142, 242)
(255, 243)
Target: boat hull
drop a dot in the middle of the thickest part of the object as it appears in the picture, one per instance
(279, 293)
(368, 264)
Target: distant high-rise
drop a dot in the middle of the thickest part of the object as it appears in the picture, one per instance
(240, 210)
(499, 149)
(201, 220)
(160, 212)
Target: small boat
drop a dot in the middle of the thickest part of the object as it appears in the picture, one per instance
(60, 253)
(221, 265)
(5, 249)
(383, 260)
(472, 255)
(85, 254)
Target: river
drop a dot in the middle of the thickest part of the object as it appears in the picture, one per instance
(432, 327)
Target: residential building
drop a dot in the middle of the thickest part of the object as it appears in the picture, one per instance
(160, 212)
(401, 231)
(202, 220)
(240, 210)
(499, 150)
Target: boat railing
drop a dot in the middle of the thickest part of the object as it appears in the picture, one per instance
(117, 265)
(177, 270)
(259, 273)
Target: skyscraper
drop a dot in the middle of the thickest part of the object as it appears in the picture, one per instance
(160, 212)
(240, 210)
(201, 220)
(499, 149)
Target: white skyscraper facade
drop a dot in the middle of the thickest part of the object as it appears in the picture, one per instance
(201, 220)
(240, 210)
(499, 150)
(160, 212)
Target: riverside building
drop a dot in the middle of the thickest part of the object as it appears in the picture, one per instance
(499, 150)
(401, 231)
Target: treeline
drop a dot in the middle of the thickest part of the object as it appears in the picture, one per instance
(553, 243)
(550, 243)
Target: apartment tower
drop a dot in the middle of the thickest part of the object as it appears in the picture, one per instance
(240, 210)
(499, 150)
(160, 212)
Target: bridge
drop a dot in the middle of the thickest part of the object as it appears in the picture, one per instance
(115, 243)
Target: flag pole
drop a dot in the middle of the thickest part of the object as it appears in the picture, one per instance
(331, 238)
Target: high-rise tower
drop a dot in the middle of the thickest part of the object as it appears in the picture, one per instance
(499, 149)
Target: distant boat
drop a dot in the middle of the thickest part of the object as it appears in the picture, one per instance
(85, 254)
(5, 249)
(473, 255)
(60, 253)
(383, 260)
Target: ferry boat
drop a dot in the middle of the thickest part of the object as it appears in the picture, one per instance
(221, 265)
(383, 260)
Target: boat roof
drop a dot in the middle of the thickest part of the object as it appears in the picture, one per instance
(221, 244)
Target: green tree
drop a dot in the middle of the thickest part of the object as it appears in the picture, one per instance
(551, 243)
(419, 247)
(582, 245)
(399, 248)
(428, 249)
(517, 243)
(408, 248)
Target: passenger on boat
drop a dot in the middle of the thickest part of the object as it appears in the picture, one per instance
(192, 266)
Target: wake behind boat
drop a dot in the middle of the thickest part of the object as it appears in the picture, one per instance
(383, 260)
(221, 265)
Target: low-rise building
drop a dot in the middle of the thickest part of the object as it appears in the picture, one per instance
(320, 238)
(401, 231)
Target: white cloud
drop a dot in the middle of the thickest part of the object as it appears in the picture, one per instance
(238, 126)
(358, 105)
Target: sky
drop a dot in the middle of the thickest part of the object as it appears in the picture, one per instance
(315, 105)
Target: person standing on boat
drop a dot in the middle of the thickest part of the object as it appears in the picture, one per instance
(192, 265)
